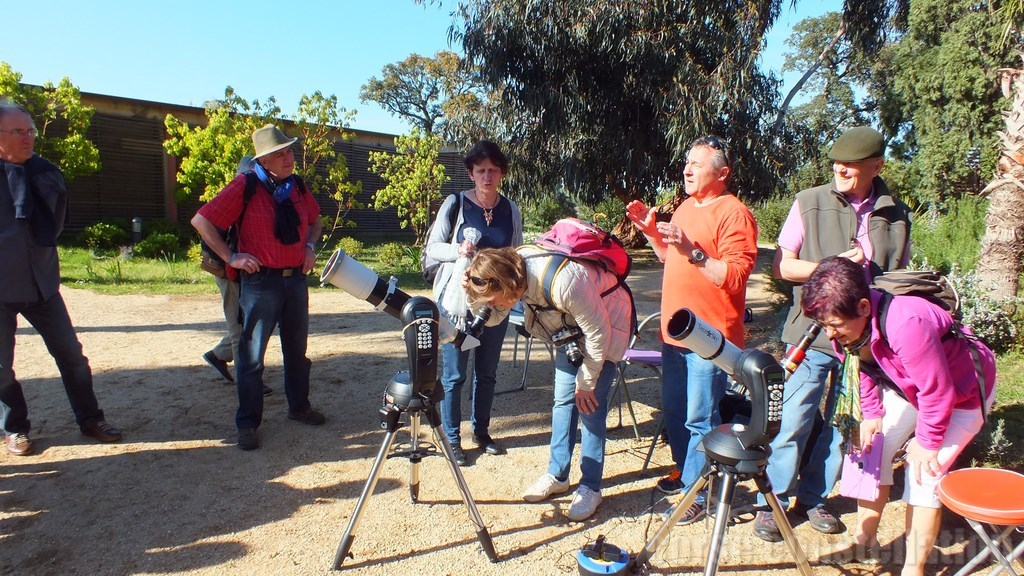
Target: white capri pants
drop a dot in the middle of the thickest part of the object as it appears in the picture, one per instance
(898, 426)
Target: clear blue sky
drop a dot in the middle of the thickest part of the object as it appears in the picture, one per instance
(188, 51)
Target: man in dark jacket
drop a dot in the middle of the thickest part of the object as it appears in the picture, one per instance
(33, 201)
(855, 217)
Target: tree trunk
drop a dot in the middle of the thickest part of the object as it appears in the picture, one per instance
(1002, 248)
(807, 75)
(633, 238)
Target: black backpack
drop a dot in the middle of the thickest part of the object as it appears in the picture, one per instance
(935, 288)
(428, 265)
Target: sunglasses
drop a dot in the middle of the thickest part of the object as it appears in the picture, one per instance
(712, 141)
(481, 282)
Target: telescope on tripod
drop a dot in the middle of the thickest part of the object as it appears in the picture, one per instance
(735, 452)
(414, 391)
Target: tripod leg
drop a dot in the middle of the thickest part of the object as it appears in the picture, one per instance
(346, 540)
(643, 557)
(474, 515)
(764, 487)
(414, 459)
(723, 514)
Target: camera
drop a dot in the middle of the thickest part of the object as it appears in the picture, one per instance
(568, 339)
(475, 324)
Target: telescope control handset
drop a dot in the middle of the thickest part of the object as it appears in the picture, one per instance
(755, 370)
(420, 317)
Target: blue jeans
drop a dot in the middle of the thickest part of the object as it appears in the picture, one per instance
(453, 377)
(50, 318)
(801, 400)
(565, 417)
(691, 388)
(268, 300)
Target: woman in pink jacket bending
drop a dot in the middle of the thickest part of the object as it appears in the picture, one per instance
(918, 381)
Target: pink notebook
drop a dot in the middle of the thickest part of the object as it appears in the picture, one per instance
(862, 471)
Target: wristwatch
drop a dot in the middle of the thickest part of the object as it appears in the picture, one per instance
(697, 256)
(311, 246)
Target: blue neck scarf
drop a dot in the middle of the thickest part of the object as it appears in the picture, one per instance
(280, 192)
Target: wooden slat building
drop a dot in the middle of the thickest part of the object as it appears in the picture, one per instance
(137, 178)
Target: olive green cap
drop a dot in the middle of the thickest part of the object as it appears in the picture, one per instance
(857, 144)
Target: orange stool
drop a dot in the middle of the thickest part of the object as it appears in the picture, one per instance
(987, 497)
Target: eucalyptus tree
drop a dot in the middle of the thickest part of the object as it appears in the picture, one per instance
(604, 96)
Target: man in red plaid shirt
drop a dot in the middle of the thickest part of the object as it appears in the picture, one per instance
(278, 228)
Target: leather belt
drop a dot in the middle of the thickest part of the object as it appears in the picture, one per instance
(282, 272)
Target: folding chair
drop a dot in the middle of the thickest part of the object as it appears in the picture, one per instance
(517, 318)
(644, 350)
(987, 497)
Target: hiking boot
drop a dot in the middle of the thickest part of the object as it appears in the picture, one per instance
(248, 439)
(671, 484)
(584, 503)
(765, 527)
(545, 486)
(851, 553)
(822, 520)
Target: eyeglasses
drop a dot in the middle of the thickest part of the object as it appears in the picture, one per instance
(19, 132)
(481, 282)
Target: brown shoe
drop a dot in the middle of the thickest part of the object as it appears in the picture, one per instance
(101, 431)
(307, 416)
(19, 444)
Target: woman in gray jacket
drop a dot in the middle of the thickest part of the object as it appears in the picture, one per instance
(590, 319)
(500, 224)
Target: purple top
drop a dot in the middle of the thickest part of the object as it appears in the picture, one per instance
(936, 376)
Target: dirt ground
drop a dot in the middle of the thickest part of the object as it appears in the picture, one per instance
(177, 497)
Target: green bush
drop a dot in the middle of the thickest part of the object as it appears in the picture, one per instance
(544, 211)
(995, 322)
(392, 256)
(944, 239)
(193, 252)
(351, 246)
(607, 214)
(158, 245)
(104, 237)
(771, 215)
(184, 234)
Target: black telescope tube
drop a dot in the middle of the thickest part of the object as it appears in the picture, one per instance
(393, 302)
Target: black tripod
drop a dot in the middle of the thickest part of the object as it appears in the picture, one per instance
(727, 459)
(398, 401)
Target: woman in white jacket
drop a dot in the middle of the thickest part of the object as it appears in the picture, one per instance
(599, 326)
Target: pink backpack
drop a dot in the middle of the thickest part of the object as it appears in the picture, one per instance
(578, 240)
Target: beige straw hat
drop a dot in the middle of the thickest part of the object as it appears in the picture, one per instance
(269, 139)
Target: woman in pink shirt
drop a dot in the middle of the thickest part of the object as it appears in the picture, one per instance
(919, 381)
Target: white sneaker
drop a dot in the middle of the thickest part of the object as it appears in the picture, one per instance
(545, 486)
(584, 503)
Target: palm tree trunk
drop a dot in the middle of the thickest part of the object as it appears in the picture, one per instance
(1002, 248)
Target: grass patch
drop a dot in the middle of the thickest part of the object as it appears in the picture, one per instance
(123, 273)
